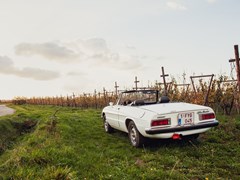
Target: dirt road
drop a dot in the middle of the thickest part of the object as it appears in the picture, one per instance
(4, 110)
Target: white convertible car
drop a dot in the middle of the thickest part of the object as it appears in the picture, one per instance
(143, 114)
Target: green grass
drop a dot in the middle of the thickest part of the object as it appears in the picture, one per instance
(73, 145)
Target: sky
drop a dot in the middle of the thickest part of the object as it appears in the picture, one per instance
(57, 47)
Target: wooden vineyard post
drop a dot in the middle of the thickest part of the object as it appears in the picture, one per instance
(209, 87)
(236, 60)
(116, 89)
(74, 101)
(208, 92)
(237, 65)
(104, 95)
(62, 102)
(68, 101)
(136, 82)
(164, 81)
(95, 98)
(194, 89)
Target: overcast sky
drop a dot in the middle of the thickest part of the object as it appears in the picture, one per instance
(56, 47)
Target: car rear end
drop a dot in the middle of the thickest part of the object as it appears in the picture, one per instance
(177, 124)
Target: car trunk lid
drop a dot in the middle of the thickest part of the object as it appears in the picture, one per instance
(167, 108)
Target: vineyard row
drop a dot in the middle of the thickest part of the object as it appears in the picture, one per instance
(221, 95)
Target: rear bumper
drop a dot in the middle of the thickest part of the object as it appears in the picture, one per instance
(183, 128)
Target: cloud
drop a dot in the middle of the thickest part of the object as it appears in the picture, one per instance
(37, 74)
(91, 51)
(75, 73)
(50, 50)
(96, 45)
(97, 52)
(211, 1)
(129, 47)
(116, 61)
(7, 67)
(176, 6)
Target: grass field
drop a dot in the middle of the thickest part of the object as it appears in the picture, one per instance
(73, 145)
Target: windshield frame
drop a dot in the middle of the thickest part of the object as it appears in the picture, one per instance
(148, 96)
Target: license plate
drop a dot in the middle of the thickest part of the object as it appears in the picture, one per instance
(185, 118)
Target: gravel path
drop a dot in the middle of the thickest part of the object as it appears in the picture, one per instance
(4, 110)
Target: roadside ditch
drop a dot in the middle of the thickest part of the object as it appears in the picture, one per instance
(10, 130)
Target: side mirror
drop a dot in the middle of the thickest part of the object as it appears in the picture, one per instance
(111, 104)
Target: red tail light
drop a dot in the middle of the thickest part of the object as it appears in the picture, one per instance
(160, 122)
(206, 116)
(176, 136)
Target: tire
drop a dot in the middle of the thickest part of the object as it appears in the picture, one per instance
(136, 139)
(107, 127)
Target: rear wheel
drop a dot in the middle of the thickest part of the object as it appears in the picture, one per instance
(136, 139)
(107, 127)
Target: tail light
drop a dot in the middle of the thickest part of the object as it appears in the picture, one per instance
(176, 136)
(161, 122)
(206, 116)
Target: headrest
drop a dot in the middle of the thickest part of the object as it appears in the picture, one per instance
(164, 99)
(138, 102)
